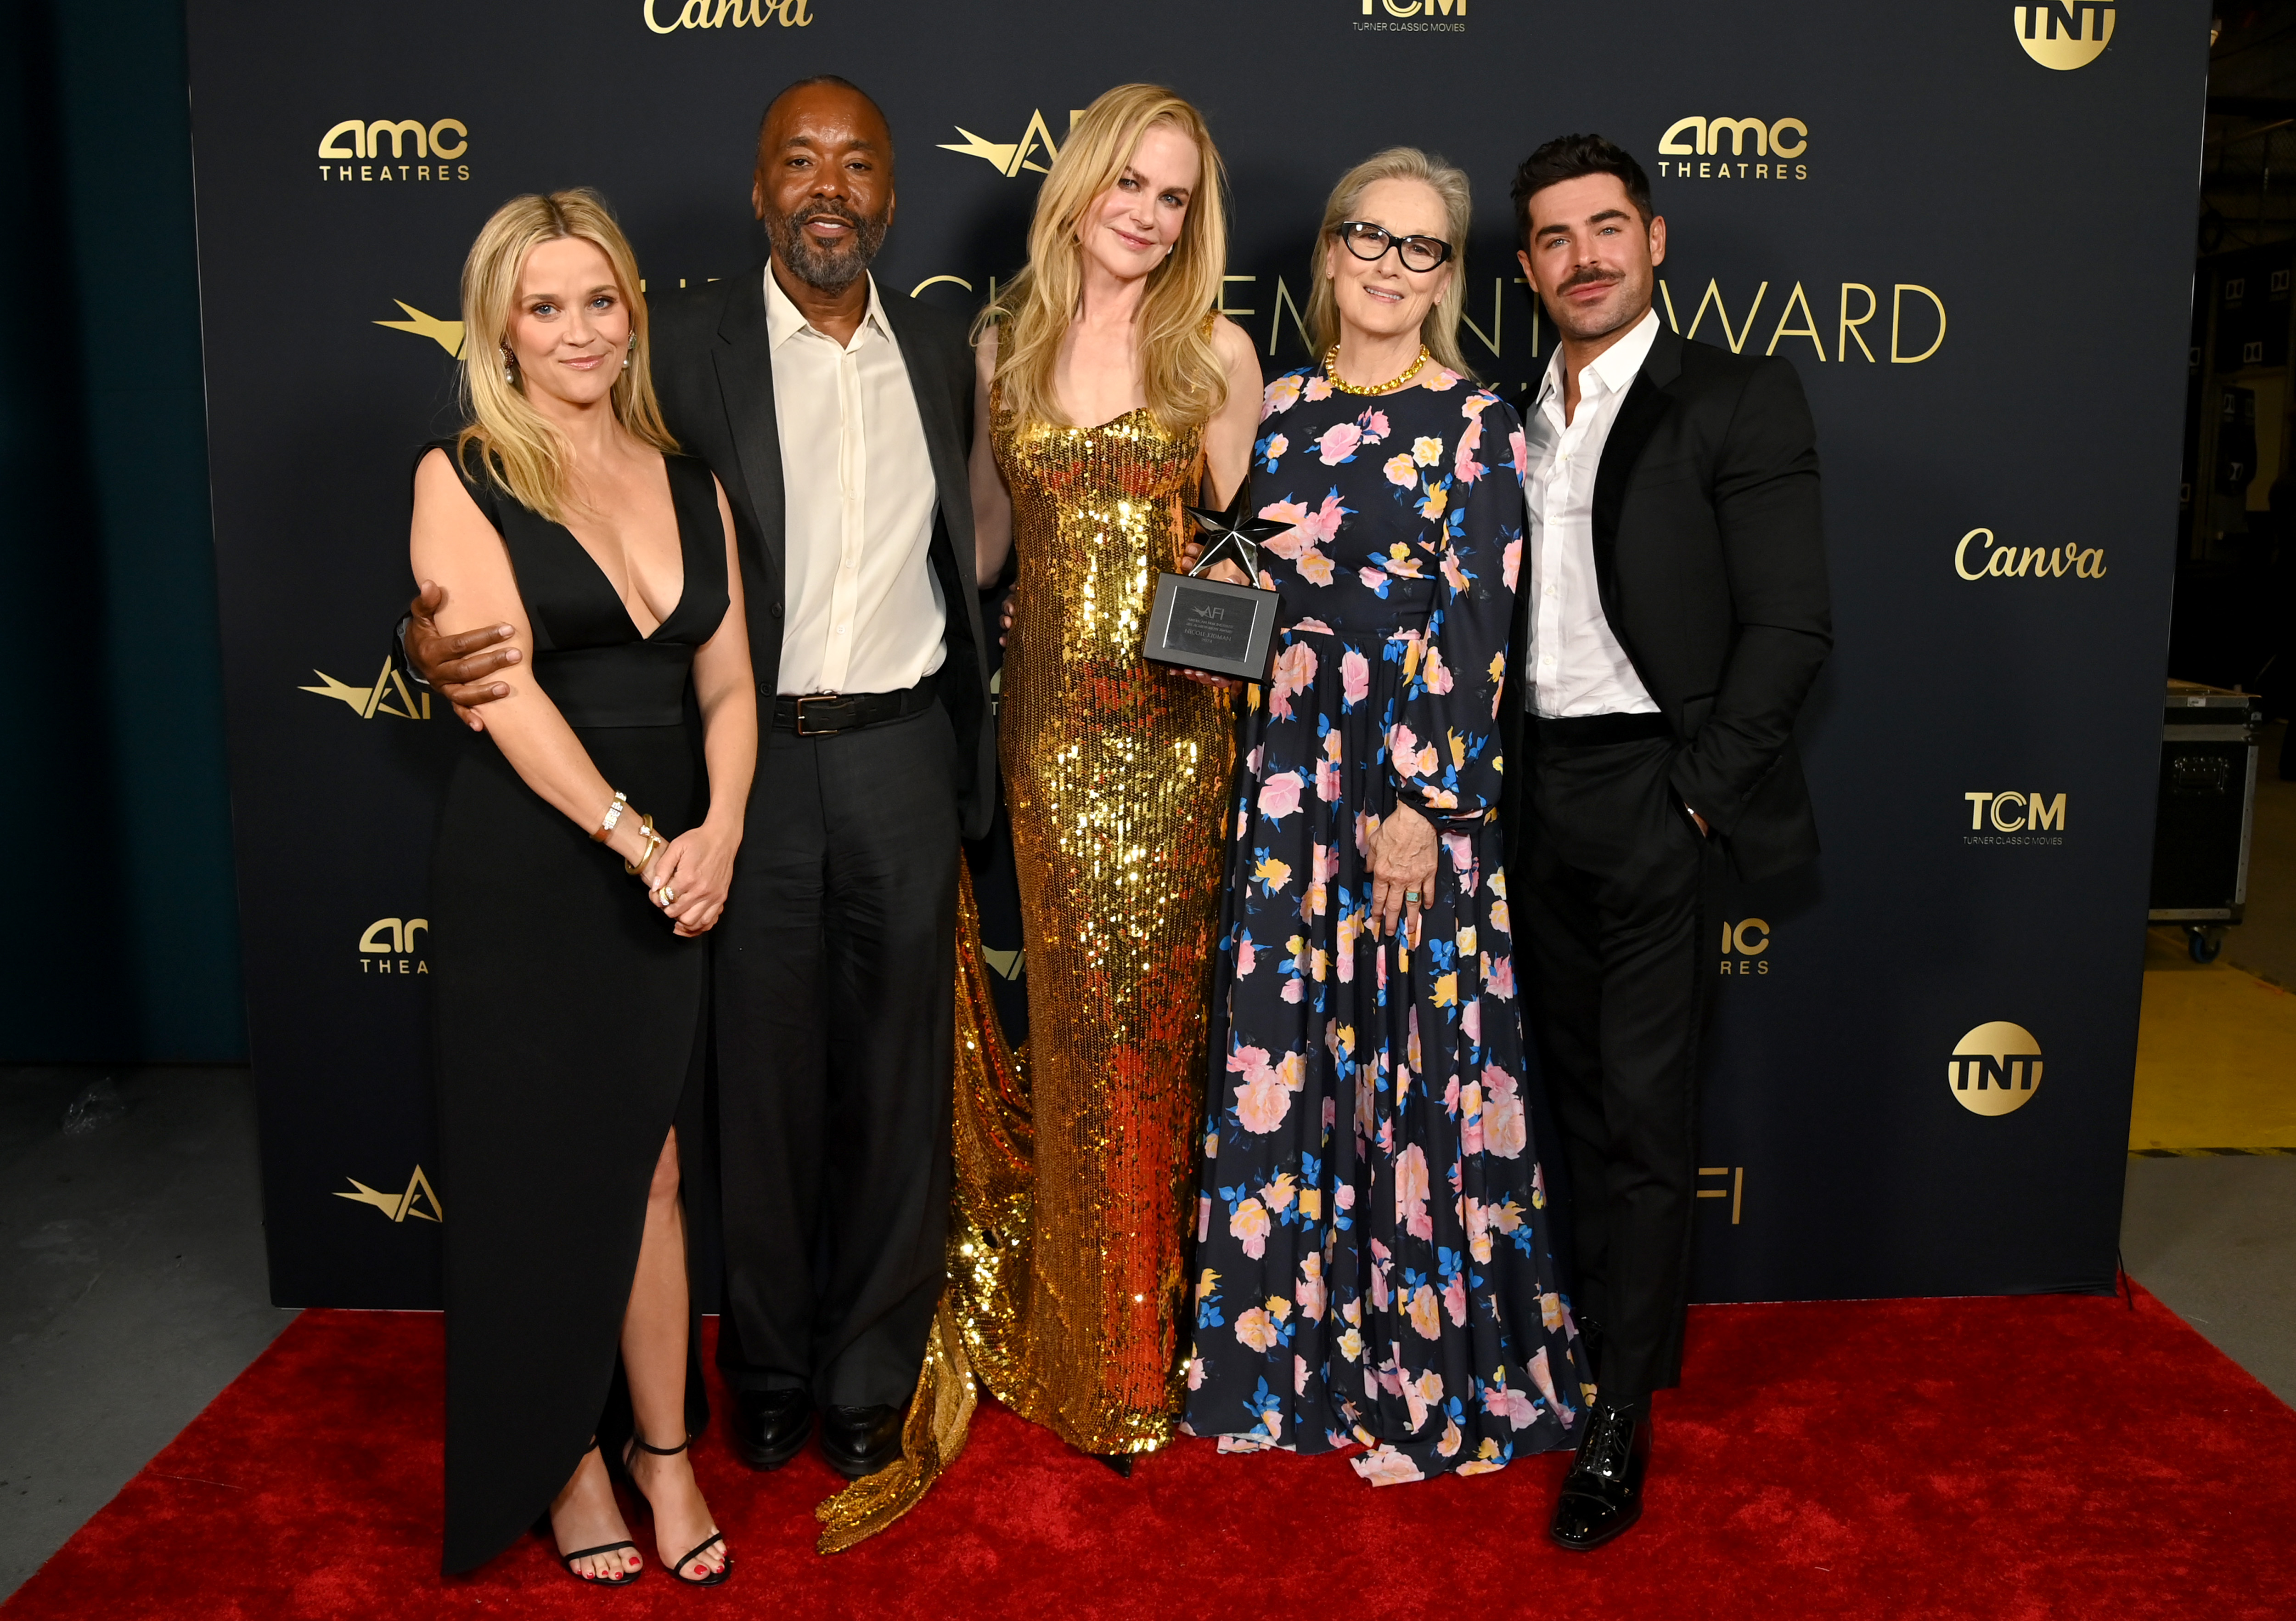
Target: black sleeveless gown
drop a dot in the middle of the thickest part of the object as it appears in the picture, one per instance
(569, 1024)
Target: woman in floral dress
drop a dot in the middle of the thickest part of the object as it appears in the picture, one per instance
(1373, 1266)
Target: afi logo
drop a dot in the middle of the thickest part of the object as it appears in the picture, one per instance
(390, 682)
(1009, 161)
(420, 1200)
(2065, 34)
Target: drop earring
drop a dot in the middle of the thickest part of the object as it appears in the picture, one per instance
(510, 367)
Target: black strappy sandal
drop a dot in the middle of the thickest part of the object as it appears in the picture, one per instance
(567, 1559)
(715, 1538)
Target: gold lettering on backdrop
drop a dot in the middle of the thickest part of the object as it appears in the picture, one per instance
(1897, 319)
(1778, 147)
(934, 280)
(2026, 562)
(2065, 34)
(720, 14)
(1668, 144)
(1738, 130)
(1714, 297)
(1490, 339)
(1736, 1192)
(1849, 329)
(398, 132)
(2017, 811)
(1809, 331)
(1299, 321)
(1227, 309)
(1011, 159)
(352, 128)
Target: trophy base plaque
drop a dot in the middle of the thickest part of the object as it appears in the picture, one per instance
(1212, 626)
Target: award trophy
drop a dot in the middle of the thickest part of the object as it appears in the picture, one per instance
(1208, 624)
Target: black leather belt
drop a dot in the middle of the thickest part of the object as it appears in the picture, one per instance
(1593, 731)
(823, 714)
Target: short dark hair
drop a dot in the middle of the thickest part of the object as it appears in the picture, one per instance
(1572, 157)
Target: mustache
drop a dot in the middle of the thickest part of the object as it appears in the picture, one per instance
(825, 209)
(1590, 277)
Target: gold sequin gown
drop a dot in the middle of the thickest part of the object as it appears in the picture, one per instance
(1116, 771)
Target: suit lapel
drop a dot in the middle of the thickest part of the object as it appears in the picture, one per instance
(746, 384)
(1644, 408)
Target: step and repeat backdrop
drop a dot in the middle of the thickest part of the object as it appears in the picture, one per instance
(1967, 225)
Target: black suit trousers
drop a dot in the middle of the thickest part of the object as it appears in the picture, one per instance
(1612, 888)
(835, 1020)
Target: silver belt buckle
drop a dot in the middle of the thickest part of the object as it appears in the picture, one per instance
(806, 730)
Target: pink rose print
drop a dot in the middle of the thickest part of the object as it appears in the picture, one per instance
(1442, 382)
(1280, 396)
(1328, 781)
(1195, 1374)
(1252, 1328)
(1293, 541)
(1465, 467)
(1338, 443)
(1295, 672)
(1512, 1405)
(1402, 470)
(1454, 1299)
(1249, 1223)
(1519, 447)
(1423, 1312)
(1374, 423)
(1261, 1102)
(1354, 678)
(1299, 1376)
(1411, 1193)
(1316, 568)
(1434, 674)
(1374, 579)
(1384, 1466)
(1246, 955)
(1319, 387)
(1454, 576)
(1511, 562)
(1311, 1292)
(1503, 1130)
(1500, 981)
(1323, 524)
(1277, 444)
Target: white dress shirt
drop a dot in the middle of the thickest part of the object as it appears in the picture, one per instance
(865, 612)
(1575, 664)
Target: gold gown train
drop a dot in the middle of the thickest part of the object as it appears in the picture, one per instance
(1075, 1177)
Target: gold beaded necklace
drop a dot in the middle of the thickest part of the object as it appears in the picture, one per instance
(1332, 370)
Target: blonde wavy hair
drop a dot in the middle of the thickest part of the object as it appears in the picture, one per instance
(1179, 368)
(1439, 331)
(525, 453)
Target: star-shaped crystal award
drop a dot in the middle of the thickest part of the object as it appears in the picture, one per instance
(1234, 535)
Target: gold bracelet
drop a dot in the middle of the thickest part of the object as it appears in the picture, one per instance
(654, 845)
(605, 829)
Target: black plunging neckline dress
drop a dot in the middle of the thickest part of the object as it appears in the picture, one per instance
(569, 1023)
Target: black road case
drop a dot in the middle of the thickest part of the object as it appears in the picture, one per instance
(2208, 796)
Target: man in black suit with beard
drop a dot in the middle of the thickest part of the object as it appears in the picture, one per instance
(838, 416)
(1673, 616)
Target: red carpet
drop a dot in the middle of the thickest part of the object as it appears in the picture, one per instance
(2036, 1457)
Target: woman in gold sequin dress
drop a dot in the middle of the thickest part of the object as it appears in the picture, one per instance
(1110, 396)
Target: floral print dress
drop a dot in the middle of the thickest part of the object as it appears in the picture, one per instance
(1372, 1264)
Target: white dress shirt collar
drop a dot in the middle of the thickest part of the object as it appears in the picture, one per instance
(1612, 372)
(784, 320)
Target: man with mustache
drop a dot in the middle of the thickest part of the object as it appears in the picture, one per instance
(838, 416)
(1673, 615)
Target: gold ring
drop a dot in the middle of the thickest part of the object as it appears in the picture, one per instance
(1410, 897)
(667, 894)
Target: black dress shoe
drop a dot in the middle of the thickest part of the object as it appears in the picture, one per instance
(1121, 1462)
(770, 1426)
(860, 1441)
(1602, 1494)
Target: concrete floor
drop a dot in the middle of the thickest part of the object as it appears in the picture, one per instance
(132, 1284)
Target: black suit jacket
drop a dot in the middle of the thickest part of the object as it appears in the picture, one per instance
(713, 369)
(1711, 561)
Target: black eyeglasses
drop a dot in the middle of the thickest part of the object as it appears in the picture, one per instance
(1367, 240)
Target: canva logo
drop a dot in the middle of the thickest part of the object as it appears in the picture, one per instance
(386, 946)
(420, 1200)
(1995, 1069)
(1978, 556)
(1010, 158)
(368, 701)
(726, 13)
(1755, 147)
(2066, 34)
(416, 151)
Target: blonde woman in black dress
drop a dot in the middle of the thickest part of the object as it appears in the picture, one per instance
(584, 844)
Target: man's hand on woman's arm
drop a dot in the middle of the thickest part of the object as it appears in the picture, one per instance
(457, 667)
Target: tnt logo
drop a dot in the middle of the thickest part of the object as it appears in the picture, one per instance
(2065, 34)
(1995, 1069)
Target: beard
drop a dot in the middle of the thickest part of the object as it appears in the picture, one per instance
(831, 269)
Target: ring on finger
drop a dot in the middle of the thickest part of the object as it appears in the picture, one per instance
(1410, 897)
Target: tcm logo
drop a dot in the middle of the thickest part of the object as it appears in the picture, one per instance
(389, 683)
(1977, 557)
(2065, 34)
(416, 150)
(1742, 948)
(420, 1200)
(388, 946)
(1417, 8)
(1754, 146)
(2015, 812)
(1009, 161)
(723, 13)
(1995, 1069)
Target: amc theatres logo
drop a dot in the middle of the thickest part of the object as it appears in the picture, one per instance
(1995, 1069)
(1743, 948)
(2066, 34)
(2014, 818)
(388, 946)
(414, 148)
(1754, 147)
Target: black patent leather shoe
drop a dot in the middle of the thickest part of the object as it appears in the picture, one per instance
(1602, 1494)
(860, 1441)
(770, 1426)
